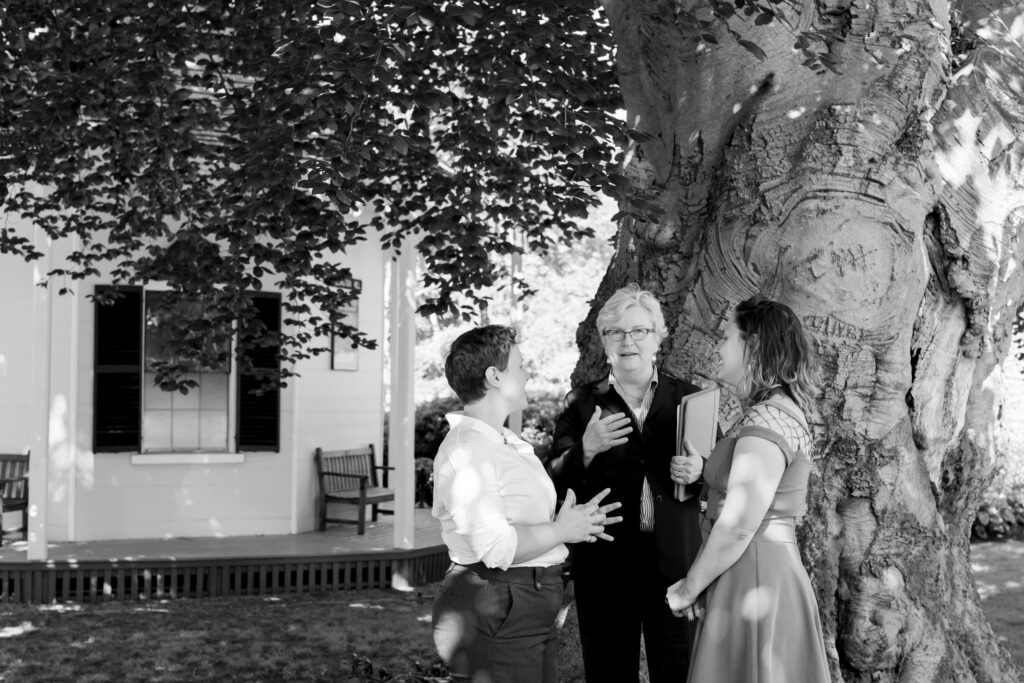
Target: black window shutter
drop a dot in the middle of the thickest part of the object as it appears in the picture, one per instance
(117, 386)
(259, 416)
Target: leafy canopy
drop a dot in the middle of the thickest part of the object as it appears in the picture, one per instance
(224, 145)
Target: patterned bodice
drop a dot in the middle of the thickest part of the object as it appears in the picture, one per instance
(783, 427)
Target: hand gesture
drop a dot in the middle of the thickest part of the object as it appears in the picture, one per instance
(603, 433)
(585, 523)
(686, 468)
(595, 502)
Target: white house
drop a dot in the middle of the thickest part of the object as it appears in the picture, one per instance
(114, 458)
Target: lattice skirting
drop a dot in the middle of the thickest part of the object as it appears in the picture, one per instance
(69, 581)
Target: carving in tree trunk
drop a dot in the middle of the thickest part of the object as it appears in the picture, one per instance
(883, 203)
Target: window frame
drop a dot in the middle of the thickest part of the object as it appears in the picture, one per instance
(249, 432)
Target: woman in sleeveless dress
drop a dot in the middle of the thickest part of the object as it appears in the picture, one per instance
(760, 620)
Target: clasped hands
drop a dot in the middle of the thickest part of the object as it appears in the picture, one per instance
(682, 602)
(585, 523)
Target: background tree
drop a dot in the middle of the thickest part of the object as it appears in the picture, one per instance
(881, 196)
(216, 145)
(564, 279)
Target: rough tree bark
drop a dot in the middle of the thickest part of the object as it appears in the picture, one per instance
(884, 203)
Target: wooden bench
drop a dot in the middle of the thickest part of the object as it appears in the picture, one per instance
(349, 476)
(14, 490)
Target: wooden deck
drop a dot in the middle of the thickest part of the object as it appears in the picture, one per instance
(337, 559)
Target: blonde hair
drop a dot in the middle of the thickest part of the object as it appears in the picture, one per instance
(625, 298)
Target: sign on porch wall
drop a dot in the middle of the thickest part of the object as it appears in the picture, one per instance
(345, 356)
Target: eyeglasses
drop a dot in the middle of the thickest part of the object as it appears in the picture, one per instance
(636, 334)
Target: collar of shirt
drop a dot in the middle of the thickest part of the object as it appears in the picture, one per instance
(460, 419)
(654, 378)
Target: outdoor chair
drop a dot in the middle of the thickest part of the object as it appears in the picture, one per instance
(14, 490)
(349, 476)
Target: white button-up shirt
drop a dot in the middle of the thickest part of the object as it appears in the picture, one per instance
(484, 483)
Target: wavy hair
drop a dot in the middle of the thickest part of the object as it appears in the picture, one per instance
(778, 355)
(625, 298)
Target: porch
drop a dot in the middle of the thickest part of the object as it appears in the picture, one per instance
(337, 559)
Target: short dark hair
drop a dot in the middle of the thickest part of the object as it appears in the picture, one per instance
(472, 353)
(778, 353)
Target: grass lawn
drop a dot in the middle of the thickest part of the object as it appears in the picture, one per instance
(999, 574)
(355, 636)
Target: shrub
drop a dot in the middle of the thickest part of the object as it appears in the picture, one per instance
(1001, 514)
(424, 482)
(539, 421)
(998, 520)
(431, 426)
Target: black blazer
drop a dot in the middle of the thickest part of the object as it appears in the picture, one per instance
(622, 469)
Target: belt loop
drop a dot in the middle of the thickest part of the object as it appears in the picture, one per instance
(536, 578)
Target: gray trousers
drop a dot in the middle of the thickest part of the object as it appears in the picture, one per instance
(499, 626)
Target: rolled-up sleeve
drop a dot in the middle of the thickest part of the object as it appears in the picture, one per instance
(470, 490)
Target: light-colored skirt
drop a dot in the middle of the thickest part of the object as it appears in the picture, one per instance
(761, 620)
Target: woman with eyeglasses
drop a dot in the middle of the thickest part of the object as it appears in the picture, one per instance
(619, 433)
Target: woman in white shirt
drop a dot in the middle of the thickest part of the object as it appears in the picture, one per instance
(494, 618)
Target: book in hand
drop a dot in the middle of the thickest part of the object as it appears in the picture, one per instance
(697, 422)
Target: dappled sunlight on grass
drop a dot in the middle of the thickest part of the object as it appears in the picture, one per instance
(19, 630)
(999, 577)
(292, 637)
(63, 607)
(377, 635)
(998, 567)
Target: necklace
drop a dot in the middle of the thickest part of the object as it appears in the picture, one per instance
(631, 395)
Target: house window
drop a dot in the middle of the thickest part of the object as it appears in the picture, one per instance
(172, 421)
(132, 414)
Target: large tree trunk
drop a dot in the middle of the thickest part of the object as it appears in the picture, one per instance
(883, 203)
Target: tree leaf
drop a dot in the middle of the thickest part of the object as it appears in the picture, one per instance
(399, 143)
(753, 49)
(724, 10)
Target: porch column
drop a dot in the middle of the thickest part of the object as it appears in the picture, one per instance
(401, 423)
(42, 352)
